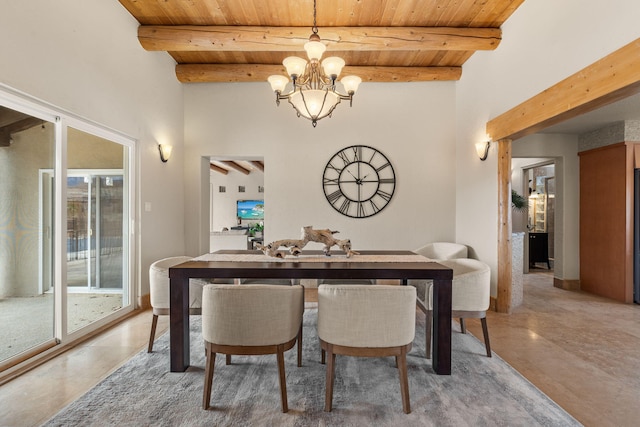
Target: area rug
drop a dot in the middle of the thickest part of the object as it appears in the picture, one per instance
(481, 391)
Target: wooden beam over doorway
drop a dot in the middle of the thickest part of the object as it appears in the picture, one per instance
(614, 77)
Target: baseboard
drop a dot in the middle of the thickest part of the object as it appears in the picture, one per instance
(567, 285)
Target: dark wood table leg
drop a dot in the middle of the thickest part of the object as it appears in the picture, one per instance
(441, 358)
(179, 324)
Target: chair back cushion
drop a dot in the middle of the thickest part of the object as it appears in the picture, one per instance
(366, 316)
(471, 285)
(159, 283)
(251, 315)
(443, 250)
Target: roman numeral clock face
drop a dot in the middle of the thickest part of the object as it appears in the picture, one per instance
(359, 181)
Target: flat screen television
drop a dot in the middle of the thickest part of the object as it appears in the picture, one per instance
(250, 209)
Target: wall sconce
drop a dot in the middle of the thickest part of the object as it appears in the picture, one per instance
(482, 148)
(165, 152)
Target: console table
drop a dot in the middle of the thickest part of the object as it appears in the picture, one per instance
(402, 265)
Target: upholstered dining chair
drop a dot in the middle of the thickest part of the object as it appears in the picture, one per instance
(278, 282)
(470, 296)
(281, 282)
(159, 288)
(250, 320)
(366, 321)
(346, 281)
(443, 250)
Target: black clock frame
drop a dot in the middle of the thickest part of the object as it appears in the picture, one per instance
(364, 166)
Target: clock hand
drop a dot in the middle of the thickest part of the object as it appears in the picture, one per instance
(358, 180)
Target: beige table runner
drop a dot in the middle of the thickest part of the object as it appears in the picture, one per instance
(312, 258)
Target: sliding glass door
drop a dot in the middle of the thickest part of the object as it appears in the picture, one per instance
(27, 145)
(65, 240)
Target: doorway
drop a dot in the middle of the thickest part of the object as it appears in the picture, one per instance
(236, 202)
(535, 180)
(541, 190)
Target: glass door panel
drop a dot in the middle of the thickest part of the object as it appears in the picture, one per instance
(96, 229)
(27, 147)
(109, 232)
(78, 229)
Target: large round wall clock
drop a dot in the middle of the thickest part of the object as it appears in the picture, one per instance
(359, 181)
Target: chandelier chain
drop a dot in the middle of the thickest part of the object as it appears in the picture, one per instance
(314, 29)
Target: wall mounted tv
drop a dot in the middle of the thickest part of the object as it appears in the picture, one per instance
(250, 209)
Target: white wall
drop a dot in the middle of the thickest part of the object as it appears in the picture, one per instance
(84, 57)
(543, 42)
(411, 123)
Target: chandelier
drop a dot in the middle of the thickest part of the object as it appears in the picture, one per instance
(314, 95)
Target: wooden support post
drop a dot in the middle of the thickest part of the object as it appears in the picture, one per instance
(503, 304)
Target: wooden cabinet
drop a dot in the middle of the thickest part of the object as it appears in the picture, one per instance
(606, 221)
(539, 248)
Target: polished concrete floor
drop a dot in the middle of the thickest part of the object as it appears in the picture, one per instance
(582, 351)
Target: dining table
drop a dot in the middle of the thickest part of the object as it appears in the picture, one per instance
(366, 264)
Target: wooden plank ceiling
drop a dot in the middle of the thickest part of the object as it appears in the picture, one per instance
(380, 40)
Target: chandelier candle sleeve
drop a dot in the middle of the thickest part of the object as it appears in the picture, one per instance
(313, 91)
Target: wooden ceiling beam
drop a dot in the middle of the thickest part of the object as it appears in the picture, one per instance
(218, 169)
(5, 138)
(287, 39)
(15, 127)
(22, 124)
(236, 166)
(234, 73)
(259, 164)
